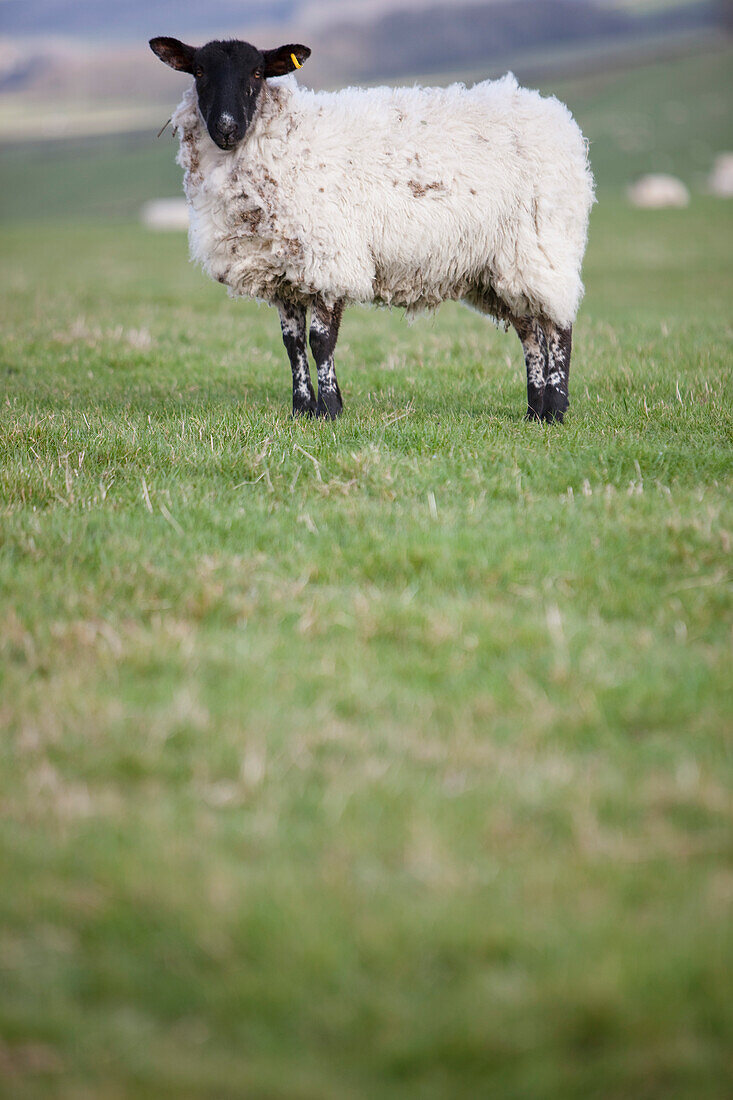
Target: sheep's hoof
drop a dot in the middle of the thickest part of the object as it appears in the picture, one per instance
(532, 414)
(330, 404)
(305, 406)
(554, 407)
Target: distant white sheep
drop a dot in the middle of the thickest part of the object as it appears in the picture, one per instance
(404, 196)
(721, 177)
(165, 214)
(655, 191)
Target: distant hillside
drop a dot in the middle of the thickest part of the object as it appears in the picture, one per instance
(442, 37)
(362, 43)
(130, 18)
(388, 30)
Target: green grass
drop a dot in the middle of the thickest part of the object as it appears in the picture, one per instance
(383, 758)
(670, 115)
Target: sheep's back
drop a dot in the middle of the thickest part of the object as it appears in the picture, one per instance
(417, 195)
(407, 196)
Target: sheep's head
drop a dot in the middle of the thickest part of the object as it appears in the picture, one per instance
(229, 79)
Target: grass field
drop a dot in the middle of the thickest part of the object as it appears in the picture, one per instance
(383, 758)
(389, 757)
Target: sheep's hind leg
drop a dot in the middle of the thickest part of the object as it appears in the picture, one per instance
(559, 347)
(534, 346)
(324, 332)
(292, 322)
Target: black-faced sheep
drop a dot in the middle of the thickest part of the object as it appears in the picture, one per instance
(399, 196)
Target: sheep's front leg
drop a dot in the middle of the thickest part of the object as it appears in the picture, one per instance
(534, 346)
(559, 347)
(292, 322)
(323, 335)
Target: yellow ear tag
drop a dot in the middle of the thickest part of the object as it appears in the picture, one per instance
(295, 61)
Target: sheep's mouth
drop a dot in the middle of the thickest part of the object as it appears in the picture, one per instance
(224, 139)
(227, 145)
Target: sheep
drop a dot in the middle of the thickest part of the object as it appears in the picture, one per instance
(394, 196)
(720, 182)
(656, 191)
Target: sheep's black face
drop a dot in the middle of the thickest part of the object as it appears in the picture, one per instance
(229, 78)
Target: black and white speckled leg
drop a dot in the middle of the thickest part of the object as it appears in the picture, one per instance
(292, 322)
(534, 345)
(323, 335)
(559, 348)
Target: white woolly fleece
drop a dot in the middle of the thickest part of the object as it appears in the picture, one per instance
(403, 196)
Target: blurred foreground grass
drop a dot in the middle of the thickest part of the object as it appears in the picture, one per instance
(390, 757)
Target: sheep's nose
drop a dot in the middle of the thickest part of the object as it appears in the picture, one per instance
(226, 127)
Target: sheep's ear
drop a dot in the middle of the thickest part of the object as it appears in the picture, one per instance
(284, 59)
(174, 53)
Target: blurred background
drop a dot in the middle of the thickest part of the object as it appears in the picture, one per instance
(396, 764)
(82, 98)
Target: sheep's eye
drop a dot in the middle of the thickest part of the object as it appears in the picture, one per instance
(257, 74)
(198, 72)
